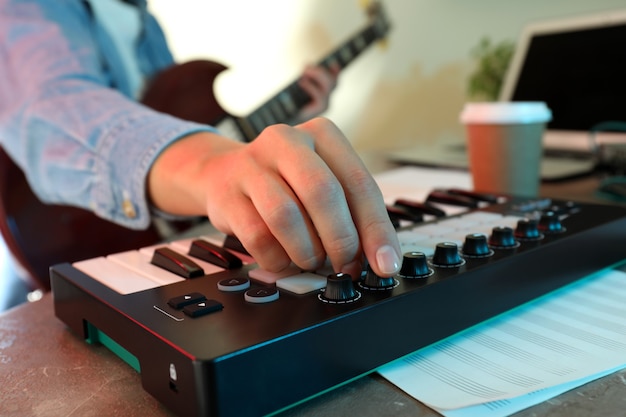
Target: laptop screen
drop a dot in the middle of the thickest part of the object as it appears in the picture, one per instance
(578, 67)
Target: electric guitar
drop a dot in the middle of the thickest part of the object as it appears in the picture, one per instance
(186, 90)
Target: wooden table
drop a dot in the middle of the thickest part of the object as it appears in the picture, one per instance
(45, 370)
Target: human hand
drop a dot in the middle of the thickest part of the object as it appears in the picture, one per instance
(295, 194)
(318, 83)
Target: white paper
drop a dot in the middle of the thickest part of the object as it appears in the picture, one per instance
(571, 335)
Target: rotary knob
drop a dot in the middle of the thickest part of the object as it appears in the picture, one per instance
(476, 246)
(447, 255)
(374, 282)
(339, 289)
(550, 223)
(527, 229)
(502, 238)
(414, 265)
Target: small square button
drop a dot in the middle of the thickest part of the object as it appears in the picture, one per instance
(186, 299)
(202, 308)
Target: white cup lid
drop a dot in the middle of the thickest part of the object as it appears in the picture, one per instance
(506, 112)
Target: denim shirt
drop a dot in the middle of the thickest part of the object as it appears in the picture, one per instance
(67, 116)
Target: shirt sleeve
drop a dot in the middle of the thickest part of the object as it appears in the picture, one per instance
(79, 141)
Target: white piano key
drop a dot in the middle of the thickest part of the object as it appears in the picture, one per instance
(115, 276)
(139, 262)
(483, 217)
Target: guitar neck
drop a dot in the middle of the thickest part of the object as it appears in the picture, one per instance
(285, 105)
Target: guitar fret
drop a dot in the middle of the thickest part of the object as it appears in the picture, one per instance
(360, 43)
(279, 113)
(288, 103)
(268, 118)
(256, 123)
(345, 54)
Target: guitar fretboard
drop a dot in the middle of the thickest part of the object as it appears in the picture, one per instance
(285, 105)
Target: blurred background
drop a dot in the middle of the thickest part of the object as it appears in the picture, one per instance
(408, 91)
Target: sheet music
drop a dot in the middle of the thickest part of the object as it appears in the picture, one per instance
(414, 183)
(570, 336)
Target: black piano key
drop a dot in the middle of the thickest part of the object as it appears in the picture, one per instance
(214, 254)
(440, 196)
(231, 242)
(176, 263)
(399, 213)
(486, 197)
(417, 207)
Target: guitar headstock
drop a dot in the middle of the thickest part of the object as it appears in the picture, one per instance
(377, 16)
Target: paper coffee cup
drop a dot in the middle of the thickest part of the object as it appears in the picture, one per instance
(504, 141)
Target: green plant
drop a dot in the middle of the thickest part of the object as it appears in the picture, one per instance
(492, 61)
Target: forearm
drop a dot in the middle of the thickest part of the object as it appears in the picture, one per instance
(79, 141)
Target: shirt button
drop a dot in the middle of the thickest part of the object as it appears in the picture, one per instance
(129, 209)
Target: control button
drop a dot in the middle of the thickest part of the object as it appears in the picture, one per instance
(414, 265)
(475, 246)
(266, 277)
(261, 295)
(214, 254)
(202, 308)
(568, 207)
(233, 284)
(550, 223)
(447, 255)
(502, 238)
(183, 300)
(174, 262)
(302, 283)
(527, 229)
(339, 289)
(371, 281)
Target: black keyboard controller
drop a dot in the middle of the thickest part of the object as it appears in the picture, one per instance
(224, 342)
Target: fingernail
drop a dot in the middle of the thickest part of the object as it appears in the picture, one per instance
(387, 260)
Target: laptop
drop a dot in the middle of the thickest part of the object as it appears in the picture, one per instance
(577, 65)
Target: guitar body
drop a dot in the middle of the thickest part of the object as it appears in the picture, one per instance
(40, 235)
(186, 91)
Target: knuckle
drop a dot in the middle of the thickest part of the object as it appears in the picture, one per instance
(284, 216)
(344, 247)
(311, 263)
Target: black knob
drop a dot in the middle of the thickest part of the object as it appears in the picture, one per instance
(475, 245)
(339, 288)
(549, 222)
(502, 238)
(373, 281)
(447, 255)
(527, 229)
(414, 265)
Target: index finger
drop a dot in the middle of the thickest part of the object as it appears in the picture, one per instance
(378, 237)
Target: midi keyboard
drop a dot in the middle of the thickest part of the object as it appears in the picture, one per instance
(213, 335)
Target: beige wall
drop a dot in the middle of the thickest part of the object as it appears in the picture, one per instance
(405, 93)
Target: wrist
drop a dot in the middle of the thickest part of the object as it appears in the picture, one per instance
(176, 182)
